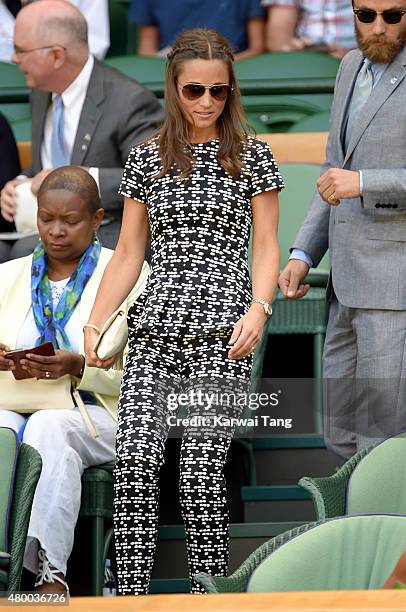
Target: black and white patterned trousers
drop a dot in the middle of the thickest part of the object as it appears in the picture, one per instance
(158, 370)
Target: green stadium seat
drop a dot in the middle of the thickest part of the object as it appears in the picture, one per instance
(263, 95)
(300, 180)
(97, 504)
(150, 71)
(27, 473)
(285, 73)
(279, 113)
(21, 129)
(346, 553)
(123, 35)
(309, 314)
(319, 122)
(373, 480)
(12, 84)
(16, 112)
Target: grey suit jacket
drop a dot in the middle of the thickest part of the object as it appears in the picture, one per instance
(117, 113)
(366, 236)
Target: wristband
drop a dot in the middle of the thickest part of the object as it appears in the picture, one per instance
(91, 327)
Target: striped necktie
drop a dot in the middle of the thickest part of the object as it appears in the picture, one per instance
(362, 90)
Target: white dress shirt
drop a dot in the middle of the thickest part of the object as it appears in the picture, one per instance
(73, 99)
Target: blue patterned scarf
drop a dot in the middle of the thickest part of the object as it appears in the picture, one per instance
(51, 323)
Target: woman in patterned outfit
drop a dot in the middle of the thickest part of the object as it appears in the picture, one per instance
(197, 186)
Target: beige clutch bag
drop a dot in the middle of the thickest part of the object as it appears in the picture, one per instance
(113, 336)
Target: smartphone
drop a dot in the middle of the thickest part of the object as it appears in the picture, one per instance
(46, 349)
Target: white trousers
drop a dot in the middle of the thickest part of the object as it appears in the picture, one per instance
(66, 449)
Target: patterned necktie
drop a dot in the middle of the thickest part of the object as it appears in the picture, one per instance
(362, 90)
(59, 155)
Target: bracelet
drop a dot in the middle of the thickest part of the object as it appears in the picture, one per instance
(91, 327)
(266, 306)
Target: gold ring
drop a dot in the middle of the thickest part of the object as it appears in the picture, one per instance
(47, 374)
(332, 197)
(252, 348)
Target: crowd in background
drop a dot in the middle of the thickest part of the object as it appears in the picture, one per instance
(88, 115)
(252, 26)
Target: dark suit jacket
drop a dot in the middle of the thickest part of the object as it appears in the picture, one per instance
(9, 162)
(117, 113)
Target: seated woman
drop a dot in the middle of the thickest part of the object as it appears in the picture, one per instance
(49, 296)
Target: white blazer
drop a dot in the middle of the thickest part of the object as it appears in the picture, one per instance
(15, 303)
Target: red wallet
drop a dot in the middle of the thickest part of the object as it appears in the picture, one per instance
(46, 349)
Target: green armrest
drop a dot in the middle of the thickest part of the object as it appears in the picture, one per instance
(9, 449)
(329, 493)
(237, 582)
(317, 278)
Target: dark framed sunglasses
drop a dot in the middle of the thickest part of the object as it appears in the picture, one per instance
(194, 91)
(390, 16)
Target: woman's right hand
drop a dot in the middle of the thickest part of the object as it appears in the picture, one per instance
(5, 364)
(91, 359)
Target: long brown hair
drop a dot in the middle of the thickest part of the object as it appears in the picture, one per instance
(174, 145)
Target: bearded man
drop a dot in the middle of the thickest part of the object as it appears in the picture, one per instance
(359, 214)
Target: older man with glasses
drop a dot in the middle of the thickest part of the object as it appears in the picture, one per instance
(84, 113)
(359, 214)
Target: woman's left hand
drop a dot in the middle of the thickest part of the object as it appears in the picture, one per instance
(63, 362)
(247, 332)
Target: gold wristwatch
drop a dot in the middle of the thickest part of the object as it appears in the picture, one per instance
(265, 304)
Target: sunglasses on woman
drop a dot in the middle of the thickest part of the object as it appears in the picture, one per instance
(390, 16)
(194, 91)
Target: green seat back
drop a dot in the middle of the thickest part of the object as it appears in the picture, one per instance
(16, 112)
(123, 35)
(292, 68)
(356, 552)
(12, 84)
(319, 122)
(21, 129)
(378, 483)
(278, 113)
(8, 461)
(149, 71)
(294, 201)
(300, 181)
(11, 76)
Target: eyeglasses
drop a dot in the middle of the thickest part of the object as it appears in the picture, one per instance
(24, 51)
(390, 16)
(194, 91)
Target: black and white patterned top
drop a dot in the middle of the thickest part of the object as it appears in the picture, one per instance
(200, 230)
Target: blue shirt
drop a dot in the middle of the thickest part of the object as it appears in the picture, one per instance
(229, 17)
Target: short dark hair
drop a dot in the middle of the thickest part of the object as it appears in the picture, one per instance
(75, 180)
